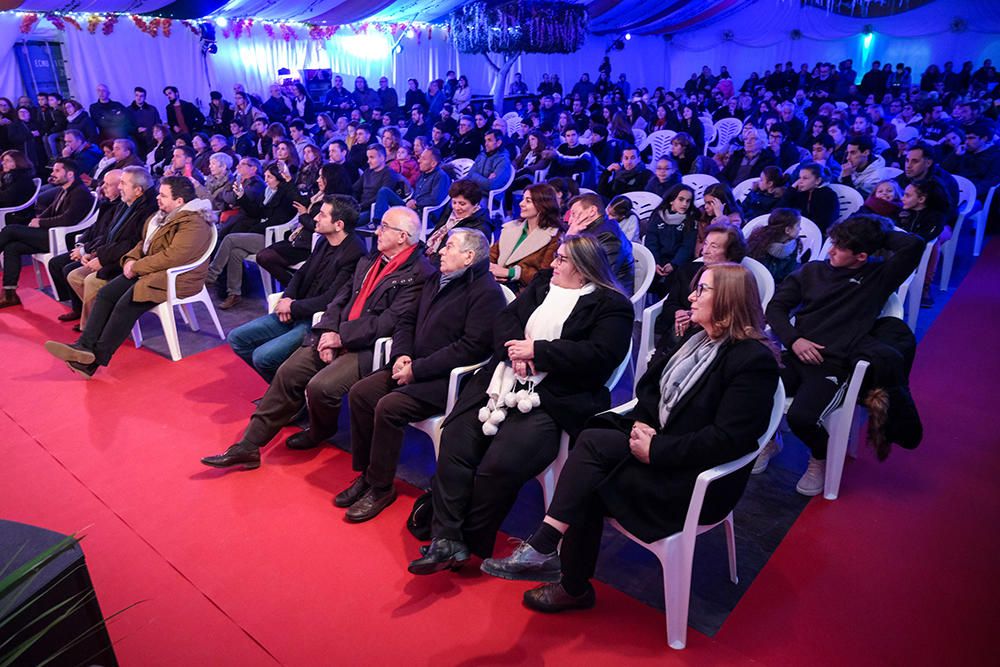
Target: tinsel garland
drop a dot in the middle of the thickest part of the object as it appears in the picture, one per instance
(519, 26)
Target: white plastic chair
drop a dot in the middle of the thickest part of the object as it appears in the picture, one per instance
(58, 245)
(542, 175)
(791, 169)
(811, 237)
(426, 217)
(850, 200)
(888, 173)
(698, 182)
(645, 270)
(494, 202)
(165, 311)
(676, 552)
(550, 476)
(659, 143)
(743, 188)
(724, 132)
(916, 287)
(639, 135)
(881, 145)
(980, 219)
(587, 191)
(966, 202)
(15, 209)
(643, 203)
(461, 167)
(765, 281)
(647, 339)
(513, 121)
(709, 127)
(272, 235)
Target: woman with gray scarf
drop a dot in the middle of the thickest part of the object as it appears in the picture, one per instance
(705, 404)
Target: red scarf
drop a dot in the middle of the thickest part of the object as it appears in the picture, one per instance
(373, 278)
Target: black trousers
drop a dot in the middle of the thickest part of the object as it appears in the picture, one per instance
(378, 417)
(111, 320)
(279, 258)
(576, 502)
(478, 476)
(60, 267)
(814, 389)
(15, 242)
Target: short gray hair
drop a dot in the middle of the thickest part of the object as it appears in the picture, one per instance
(224, 159)
(471, 240)
(405, 216)
(139, 176)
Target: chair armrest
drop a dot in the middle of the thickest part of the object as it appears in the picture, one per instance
(57, 235)
(272, 233)
(272, 301)
(455, 379)
(623, 408)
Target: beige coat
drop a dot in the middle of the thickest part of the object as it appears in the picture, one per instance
(182, 239)
(534, 254)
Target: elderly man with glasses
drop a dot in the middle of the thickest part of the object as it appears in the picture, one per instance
(340, 347)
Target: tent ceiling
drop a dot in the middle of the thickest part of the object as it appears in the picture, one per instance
(607, 16)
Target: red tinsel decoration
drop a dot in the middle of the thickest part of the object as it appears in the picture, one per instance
(73, 22)
(56, 21)
(28, 22)
(190, 25)
(165, 25)
(269, 29)
(287, 33)
(109, 25)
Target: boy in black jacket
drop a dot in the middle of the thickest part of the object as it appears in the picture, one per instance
(835, 303)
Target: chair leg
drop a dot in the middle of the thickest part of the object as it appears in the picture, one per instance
(913, 296)
(836, 452)
(190, 316)
(166, 313)
(137, 334)
(211, 313)
(676, 563)
(731, 548)
(980, 233)
(949, 259)
(267, 281)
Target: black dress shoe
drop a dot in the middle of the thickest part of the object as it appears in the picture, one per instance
(301, 440)
(86, 371)
(369, 505)
(353, 493)
(69, 352)
(553, 598)
(71, 316)
(237, 455)
(442, 554)
(525, 564)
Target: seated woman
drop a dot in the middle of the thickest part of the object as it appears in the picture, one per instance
(925, 213)
(203, 151)
(528, 245)
(723, 243)
(765, 194)
(307, 180)
(704, 405)
(671, 235)
(885, 200)
(777, 244)
(620, 210)
(464, 210)
(17, 186)
(279, 257)
(813, 201)
(530, 160)
(720, 207)
(560, 340)
(218, 182)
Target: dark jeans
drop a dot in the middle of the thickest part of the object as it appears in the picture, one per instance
(814, 389)
(112, 318)
(378, 417)
(15, 242)
(279, 258)
(60, 267)
(478, 477)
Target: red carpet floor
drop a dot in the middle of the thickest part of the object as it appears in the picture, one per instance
(258, 568)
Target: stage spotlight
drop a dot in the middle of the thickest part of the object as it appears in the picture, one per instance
(628, 36)
(207, 33)
(397, 49)
(221, 22)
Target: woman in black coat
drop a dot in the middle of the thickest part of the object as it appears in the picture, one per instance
(640, 468)
(564, 355)
(464, 210)
(17, 186)
(810, 198)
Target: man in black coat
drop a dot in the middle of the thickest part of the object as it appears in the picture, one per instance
(266, 342)
(340, 348)
(452, 326)
(749, 161)
(586, 216)
(630, 175)
(182, 116)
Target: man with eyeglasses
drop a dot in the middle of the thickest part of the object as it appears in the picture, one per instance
(339, 349)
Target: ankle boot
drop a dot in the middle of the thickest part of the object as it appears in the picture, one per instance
(9, 298)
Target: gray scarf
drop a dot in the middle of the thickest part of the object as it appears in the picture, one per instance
(683, 371)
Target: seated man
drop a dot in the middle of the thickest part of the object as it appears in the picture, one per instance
(182, 164)
(123, 151)
(177, 235)
(749, 161)
(492, 169)
(822, 153)
(103, 261)
(863, 169)
(981, 161)
(239, 209)
(835, 304)
(376, 177)
(109, 206)
(467, 144)
(340, 348)
(570, 157)
(451, 327)
(430, 189)
(72, 203)
(586, 216)
(265, 343)
(630, 175)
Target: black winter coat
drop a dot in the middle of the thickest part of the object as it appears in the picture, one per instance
(115, 243)
(325, 273)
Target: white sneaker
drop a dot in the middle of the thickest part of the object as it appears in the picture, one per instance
(771, 449)
(811, 483)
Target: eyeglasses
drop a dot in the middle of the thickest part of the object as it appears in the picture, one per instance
(559, 259)
(382, 226)
(700, 288)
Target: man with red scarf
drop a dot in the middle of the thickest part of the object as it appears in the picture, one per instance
(340, 349)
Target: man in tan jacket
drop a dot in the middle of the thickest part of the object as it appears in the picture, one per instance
(178, 234)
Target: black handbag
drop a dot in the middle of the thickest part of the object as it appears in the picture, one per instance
(419, 521)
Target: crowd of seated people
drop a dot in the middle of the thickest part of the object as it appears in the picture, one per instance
(359, 164)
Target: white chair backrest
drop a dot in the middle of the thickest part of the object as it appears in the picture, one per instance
(513, 123)
(640, 136)
(880, 146)
(617, 375)
(893, 307)
(765, 281)
(645, 270)
(725, 130)
(966, 194)
(743, 188)
(850, 200)
(508, 294)
(887, 173)
(461, 167)
(643, 203)
(659, 143)
(791, 170)
(587, 191)
(698, 182)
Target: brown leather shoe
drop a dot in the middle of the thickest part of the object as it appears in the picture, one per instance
(553, 598)
(71, 316)
(230, 301)
(9, 298)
